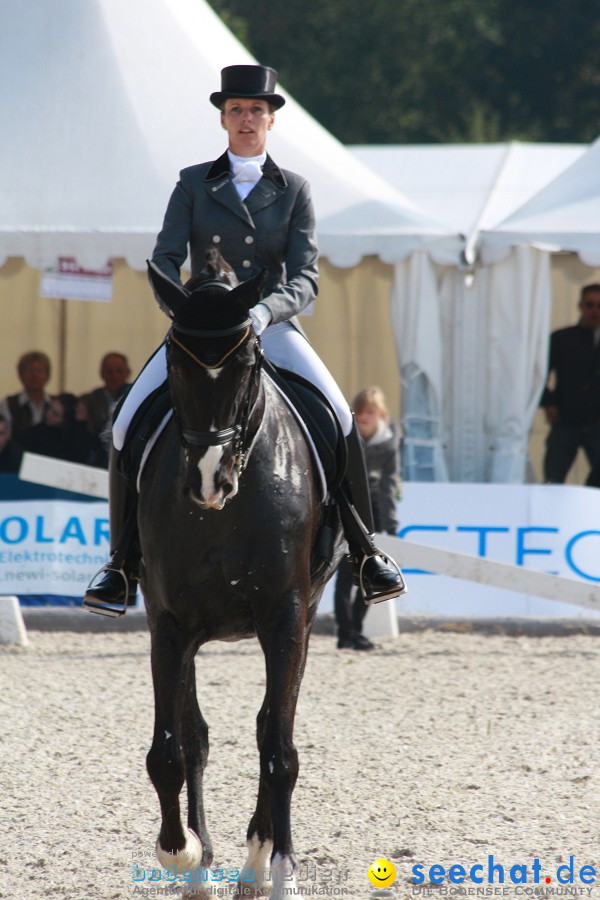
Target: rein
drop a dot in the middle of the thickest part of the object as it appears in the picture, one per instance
(239, 431)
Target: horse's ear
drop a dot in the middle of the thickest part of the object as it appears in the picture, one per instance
(170, 296)
(248, 292)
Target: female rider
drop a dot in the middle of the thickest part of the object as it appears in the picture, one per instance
(257, 215)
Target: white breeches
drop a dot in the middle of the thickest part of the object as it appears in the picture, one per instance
(284, 346)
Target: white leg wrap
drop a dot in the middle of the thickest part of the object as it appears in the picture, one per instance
(257, 867)
(282, 874)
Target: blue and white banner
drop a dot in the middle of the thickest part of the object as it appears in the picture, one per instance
(51, 546)
(54, 547)
(546, 528)
(549, 528)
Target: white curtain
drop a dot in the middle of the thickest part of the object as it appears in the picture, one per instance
(473, 362)
(417, 331)
(519, 327)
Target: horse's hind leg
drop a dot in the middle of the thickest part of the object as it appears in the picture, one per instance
(176, 845)
(285, 652)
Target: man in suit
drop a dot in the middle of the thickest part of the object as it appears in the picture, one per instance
(97, 406)
(572, 406)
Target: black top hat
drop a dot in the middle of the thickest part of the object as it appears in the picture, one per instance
(248, 81)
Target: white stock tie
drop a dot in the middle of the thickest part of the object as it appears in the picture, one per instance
(245, 175)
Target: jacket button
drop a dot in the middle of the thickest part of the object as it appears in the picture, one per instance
(246, 263)
(216, 239)
(249, 239)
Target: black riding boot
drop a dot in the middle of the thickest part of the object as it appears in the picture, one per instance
(114, 587)
(378, 577)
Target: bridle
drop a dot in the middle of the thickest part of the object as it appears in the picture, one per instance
(238, 432)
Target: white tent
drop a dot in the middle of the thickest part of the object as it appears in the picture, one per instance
(563, 215)
(104, 101)
(472, 338)
(469, 187)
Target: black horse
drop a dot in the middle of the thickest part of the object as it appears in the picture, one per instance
(229, 511)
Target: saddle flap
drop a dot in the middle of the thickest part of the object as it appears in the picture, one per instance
(143, 426)
(320, 420)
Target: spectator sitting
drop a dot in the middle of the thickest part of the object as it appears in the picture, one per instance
(99, 404)
(27, 408)
(61, 435)
(10, 452)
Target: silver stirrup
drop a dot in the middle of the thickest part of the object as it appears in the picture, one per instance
(106, 608)
(388, 595)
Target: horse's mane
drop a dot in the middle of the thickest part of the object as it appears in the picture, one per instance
(215, 269)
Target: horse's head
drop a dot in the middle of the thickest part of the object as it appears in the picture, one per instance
(213, 360)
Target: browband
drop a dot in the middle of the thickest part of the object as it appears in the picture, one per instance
(206, 333)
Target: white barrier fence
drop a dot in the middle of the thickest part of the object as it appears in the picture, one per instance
(543, 540)
(66, 476)
(493, 574)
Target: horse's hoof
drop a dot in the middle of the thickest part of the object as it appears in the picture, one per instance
(189, 857)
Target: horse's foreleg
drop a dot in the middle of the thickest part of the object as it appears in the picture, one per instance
(195, 748)
(285, 652)
(176, 845)
(260, 830)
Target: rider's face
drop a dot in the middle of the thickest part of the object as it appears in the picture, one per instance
(247, 122)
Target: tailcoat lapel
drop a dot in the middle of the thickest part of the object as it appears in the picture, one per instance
(220, 188)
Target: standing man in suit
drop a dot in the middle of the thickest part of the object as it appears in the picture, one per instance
(258, 216)
(572, 406)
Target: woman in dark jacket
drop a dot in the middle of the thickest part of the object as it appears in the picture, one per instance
(258, 216)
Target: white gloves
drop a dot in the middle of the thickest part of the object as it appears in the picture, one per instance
(261, 317)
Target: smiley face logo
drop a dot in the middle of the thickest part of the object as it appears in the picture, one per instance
(381, 873)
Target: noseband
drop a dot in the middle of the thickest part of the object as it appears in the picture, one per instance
(239, 430)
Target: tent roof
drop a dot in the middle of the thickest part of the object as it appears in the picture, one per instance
(469, 187)
(563, 215)
(104, 101)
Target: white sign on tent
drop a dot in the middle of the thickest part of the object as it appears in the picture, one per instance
(69, 281)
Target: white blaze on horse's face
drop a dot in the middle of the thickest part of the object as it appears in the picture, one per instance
(216, 485)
